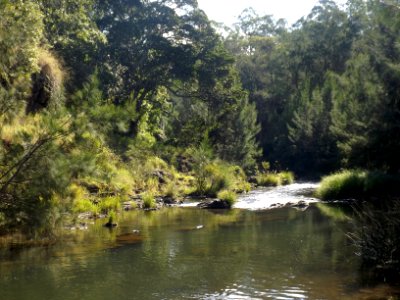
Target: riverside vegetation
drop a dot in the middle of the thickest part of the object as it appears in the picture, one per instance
(106, 102)
(357, 184)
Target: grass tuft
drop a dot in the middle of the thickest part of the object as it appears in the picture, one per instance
(110, 204)
(228, 196)
(148, 200)
(275, 179)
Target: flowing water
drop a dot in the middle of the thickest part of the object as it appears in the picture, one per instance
(188, 253)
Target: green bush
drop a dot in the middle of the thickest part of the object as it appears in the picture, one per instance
(228, 196)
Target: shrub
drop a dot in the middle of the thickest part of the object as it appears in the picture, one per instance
(148, 200)
(201, 157)
(228, 196)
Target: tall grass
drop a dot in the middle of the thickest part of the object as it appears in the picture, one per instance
(357, 184)
(286, 177)
(218, 176)
(85, 205)
(148, 201)
(110, 204)
(343, 185)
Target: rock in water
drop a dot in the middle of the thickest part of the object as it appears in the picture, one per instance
(214, 204)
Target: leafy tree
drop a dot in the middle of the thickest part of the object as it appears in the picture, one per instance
(71, 31)
(21, 34)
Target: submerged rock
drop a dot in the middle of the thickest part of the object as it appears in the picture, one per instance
(300, 204)
(129, 238)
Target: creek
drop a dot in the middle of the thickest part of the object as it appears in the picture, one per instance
(249, 252)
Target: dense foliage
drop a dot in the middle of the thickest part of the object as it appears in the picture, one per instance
(104, 100)
(326, 89)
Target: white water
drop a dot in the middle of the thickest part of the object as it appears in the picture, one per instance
(267, 198)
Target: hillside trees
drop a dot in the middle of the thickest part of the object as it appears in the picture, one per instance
(91, 91)
(366, 112)
(325, 89)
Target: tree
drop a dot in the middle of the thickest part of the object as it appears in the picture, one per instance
(21, 35)
(366, 111)
(71, 32)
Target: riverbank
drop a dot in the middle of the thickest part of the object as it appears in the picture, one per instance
(296, 195)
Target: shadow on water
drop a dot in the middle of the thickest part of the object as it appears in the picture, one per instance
(377, 238)
(375, 235)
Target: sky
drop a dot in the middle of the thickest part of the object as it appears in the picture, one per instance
(226, 11)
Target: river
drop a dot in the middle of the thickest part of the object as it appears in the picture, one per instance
(250, 252)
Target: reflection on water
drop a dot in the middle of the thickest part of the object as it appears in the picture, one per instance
(188, 253)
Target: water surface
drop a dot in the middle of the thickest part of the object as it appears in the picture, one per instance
(188, 253)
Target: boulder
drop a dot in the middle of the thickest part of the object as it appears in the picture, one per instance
(214, 204)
